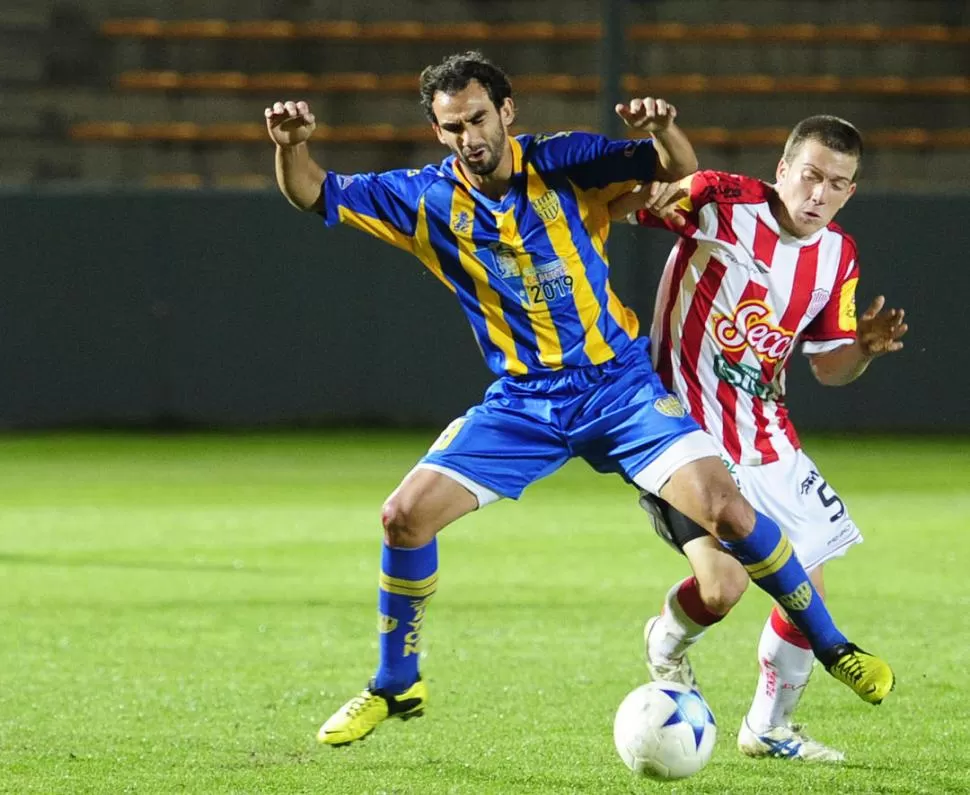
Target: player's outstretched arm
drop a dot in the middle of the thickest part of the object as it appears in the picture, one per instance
(290, 125)
(880, 332)
(675, 156)
(661, 199)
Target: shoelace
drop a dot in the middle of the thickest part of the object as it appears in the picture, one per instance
(853, 668)
(358, 703)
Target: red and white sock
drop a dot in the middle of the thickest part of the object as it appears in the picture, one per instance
(682, 621)
(786, 659)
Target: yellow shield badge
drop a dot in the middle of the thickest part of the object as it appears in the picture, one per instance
(547, 206)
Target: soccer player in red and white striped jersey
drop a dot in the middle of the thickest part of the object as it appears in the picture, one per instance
(759, 270)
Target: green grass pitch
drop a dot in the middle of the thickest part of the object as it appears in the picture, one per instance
(180, 613)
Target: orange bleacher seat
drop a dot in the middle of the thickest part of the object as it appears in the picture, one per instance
(348, 81)
(393, 31)
(797, 33)
(214, 81)
(141, 80)
(234, 132)
(456, 31)
(405, 30)
(102, 131)
(279, 81)
(874, 85)
(761, 136)
(195, 29)
(930, 34)
(132, 28)
(850, 34)
(524, 31)
(661, 31)
(950, 86)
(167, 131)
(255, 132)
(244, 181)
(329, 30)
(262, 29)
(808, 84)
(669, 85)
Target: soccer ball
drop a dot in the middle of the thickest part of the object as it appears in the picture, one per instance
(664, 730)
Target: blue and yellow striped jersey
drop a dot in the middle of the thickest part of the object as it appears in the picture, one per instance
(530, 270)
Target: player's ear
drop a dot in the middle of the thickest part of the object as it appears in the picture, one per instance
(437, 132)
(507, 112)
(849, 193)
(781, 170)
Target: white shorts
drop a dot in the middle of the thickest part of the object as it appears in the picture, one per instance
(793, 493)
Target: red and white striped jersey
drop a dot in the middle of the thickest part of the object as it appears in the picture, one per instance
(737, 295)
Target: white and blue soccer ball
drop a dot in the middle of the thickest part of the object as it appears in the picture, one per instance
(664, 730)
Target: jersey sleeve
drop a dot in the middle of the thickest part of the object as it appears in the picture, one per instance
(596, 163)
(384, 205)
(698, 187)
(718, 191)
(835, 325)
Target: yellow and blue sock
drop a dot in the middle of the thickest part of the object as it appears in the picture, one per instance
(408, 580)
(771, 563)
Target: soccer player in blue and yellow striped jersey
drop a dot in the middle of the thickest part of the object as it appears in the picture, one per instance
(516, 228)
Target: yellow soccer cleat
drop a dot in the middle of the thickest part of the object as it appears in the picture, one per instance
(361, 715)
(871, 678)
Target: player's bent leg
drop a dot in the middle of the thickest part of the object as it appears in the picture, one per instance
(425, 502)
(785, 659)
(692, 606)
(705, 491)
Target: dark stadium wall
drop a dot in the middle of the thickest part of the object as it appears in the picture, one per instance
(234, 310)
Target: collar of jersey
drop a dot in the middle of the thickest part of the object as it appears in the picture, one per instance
(518, 167)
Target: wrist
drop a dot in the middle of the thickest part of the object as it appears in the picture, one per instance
(864, 352)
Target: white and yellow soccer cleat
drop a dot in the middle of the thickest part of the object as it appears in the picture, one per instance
(362, 714)
(785, 742)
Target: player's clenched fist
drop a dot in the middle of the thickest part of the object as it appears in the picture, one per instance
(647, 114)
(290, 122)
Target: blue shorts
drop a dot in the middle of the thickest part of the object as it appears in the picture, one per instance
(617, 416)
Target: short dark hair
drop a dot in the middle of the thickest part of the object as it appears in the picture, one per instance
(830, 131)
(455, 72)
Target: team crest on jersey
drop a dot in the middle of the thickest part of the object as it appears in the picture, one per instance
(547, 205)
(670, 406)
(751, 327)
(461, 223)
(820, 298)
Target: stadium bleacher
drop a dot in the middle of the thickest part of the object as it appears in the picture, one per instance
(184, 93)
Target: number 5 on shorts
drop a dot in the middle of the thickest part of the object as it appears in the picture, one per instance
(828, 500)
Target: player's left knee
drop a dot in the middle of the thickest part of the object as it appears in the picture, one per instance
(401, 525)
(723, 586)
(732, 517)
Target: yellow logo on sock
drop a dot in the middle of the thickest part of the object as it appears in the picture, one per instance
(799, 599)
(386, 624)
(412, 641)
